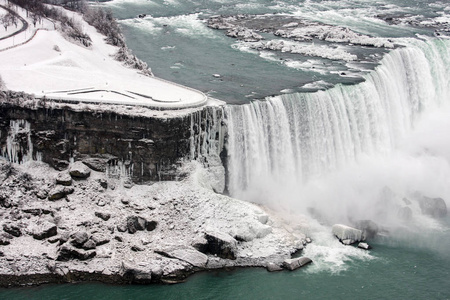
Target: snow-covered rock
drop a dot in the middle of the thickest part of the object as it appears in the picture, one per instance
(295, 263)
(346, 234)
(79, 170)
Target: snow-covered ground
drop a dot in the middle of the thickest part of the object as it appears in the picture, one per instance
(50, 66)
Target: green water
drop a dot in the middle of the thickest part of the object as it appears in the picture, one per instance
(394, 272)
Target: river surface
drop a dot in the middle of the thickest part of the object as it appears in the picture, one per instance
(346, 129)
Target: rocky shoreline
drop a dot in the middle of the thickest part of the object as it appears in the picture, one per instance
(80, 225)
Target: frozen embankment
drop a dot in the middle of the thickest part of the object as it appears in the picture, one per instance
(51, 66)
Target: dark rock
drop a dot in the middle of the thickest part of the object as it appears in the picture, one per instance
(37, 211)
(12, 229)
(103, 183)
(136, 248)
(103, 215)
(59, 192)
(151, 225)
(135, 274)
(53, 239)
(89, 245)
(43, 230)
(405, 213)
(64, 237)
(272, 267)
(434, 207)
(5, 239)
(79, 238)
(79, 171)
(347, 235)
(201, 244)
(369, 228)
(96, 164)
(67, 253)
(100, 239)
(135, 223)
(221, 244)
(64, 178)
(118, 238)
(295, 263)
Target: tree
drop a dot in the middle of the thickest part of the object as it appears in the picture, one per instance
(6, 21)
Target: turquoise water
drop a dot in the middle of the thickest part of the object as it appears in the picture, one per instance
(394, 272)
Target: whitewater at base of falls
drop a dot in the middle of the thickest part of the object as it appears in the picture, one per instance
(350, 152)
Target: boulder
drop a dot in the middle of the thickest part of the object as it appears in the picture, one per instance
(103, 215)
(346, 234)
(189, 255)
(5, 238)
(151, 225)
(96, 164)
(59, 192)
(364, 246)
(43, 230)
(100, 239)
(272, 267)
(136, 274)
(64, 178)
(368, 227)
(37, 211)
(12, 229)
(79, 238)
(79, 171)
(67, 252)
(89, 245)
(221, 244)
(434, 207)
(295, 263)
(136, 223)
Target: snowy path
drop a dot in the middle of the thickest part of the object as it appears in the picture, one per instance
(24, 23)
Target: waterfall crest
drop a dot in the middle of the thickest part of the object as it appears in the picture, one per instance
(290, 139)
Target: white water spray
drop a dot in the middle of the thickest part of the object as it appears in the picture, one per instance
(340, 151)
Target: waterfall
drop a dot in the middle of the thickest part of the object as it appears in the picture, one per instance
(290, 139)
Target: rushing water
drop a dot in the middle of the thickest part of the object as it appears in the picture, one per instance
(352, 150)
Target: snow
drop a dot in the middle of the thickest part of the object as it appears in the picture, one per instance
(88, 75)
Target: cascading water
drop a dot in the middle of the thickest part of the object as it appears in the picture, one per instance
(276, 148)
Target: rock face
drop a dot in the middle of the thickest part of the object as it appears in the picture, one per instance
(106, 142)
(434, 207)
(295, 263)
(346, 234)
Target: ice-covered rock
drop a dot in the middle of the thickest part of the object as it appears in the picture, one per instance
(12, 229)
(364, 246)
(64, 178)
(273, 267)
(43, 230)
(105, 216)
(59, 192)
(346, 234)
(434, 207)
(295, 263)
(190, 255)
(221, 244)
(67, 252)
(79, 170)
